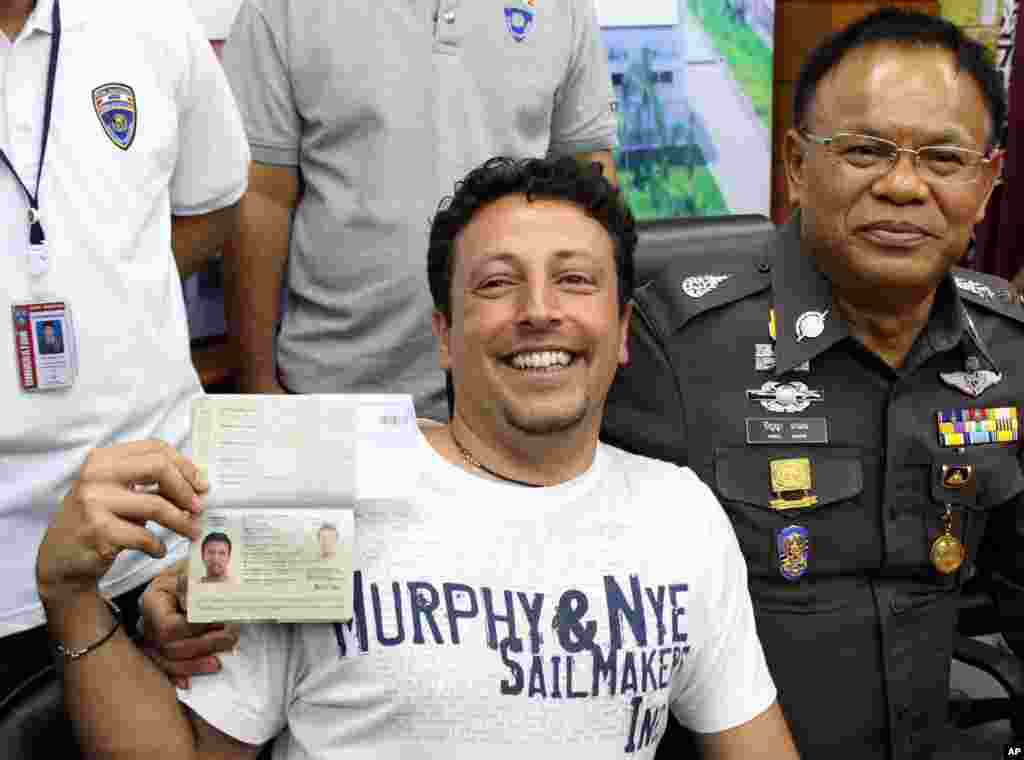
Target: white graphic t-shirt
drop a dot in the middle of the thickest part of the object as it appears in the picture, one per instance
(492, 620)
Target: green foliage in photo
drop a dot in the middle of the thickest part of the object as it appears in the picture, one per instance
(657, 189)
(748, 57)
(662, 170)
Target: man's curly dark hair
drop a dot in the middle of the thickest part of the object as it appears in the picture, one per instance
(550, 178)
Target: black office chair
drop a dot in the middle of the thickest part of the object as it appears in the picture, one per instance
(728, 238)
(33, 722)
(978, 616)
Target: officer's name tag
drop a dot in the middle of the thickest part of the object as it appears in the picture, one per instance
(777, 431)
(44, 345)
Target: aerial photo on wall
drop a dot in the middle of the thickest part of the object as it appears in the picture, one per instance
(693, 79)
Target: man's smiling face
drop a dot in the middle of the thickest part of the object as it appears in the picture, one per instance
(536, 332)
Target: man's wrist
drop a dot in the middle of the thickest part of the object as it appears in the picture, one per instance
(76, 618)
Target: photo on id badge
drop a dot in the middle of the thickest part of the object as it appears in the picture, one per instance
(44, 344)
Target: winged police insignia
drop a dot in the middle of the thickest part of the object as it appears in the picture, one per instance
(700, 285)
(972, 383)
(788, 398)
(114, 104)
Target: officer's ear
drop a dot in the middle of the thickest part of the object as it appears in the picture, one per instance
(992, 175)
(794, 152)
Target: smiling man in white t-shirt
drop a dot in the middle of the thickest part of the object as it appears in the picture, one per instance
(533, 595)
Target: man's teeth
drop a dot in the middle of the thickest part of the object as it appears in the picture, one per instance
(542, 359)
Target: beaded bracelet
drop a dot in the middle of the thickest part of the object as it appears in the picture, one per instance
(73, 654)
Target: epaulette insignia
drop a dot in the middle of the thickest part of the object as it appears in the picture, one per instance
(988, 291)
(675, 296)
(700, 285)
(973, 286)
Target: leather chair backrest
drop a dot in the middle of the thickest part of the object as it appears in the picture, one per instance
(33, 721)
(724, 237)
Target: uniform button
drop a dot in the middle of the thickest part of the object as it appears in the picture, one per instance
(764, 267)
(449, 17)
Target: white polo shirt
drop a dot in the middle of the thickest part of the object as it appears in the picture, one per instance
(106, 212)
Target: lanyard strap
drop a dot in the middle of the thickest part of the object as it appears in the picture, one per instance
(36, 236)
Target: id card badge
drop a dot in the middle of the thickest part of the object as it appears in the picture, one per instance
(44, 345)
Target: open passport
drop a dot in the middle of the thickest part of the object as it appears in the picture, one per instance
(286, 473)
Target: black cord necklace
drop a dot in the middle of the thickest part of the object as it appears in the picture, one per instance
(473, 462)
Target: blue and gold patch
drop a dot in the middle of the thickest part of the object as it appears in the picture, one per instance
(114, 104)
(794, 548)
(519, 19)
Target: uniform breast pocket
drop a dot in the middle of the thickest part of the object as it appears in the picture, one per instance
(798, 514)
(123, 132)
(975, 482)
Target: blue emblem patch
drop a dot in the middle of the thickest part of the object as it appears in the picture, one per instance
(794, 549)
(115, 108)
(518, 21)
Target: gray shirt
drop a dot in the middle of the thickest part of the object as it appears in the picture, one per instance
(382, 106)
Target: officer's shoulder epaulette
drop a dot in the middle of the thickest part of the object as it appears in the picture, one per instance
(988, 291)
(696, 283)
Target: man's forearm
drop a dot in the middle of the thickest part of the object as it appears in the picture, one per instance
(254, 263)
(121, 705)
(195, 240)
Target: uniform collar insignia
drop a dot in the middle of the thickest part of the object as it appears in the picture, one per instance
(700, 285)
(802, 299)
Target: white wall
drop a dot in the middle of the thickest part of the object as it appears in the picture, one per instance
(215, 16)
(637, 12)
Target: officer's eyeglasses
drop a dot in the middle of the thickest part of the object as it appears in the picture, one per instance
(945, 164)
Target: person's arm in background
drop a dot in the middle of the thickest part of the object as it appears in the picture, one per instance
(213, 159)
(197, 239)
(603, 157)
(584, 121)
(1017, 285)
(259, 61)
(254, 266)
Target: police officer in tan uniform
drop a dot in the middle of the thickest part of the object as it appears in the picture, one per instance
(851, 396)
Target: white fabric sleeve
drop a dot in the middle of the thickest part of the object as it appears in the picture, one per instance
(729, 683)
(248, 698)
(212, 169)
(256, 61)
(584, 118)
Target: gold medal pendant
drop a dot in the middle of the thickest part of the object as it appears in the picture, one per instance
(947, 552)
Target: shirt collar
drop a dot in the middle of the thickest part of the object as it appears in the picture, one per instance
(805, 325)
(802, 298)
(41, 17)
